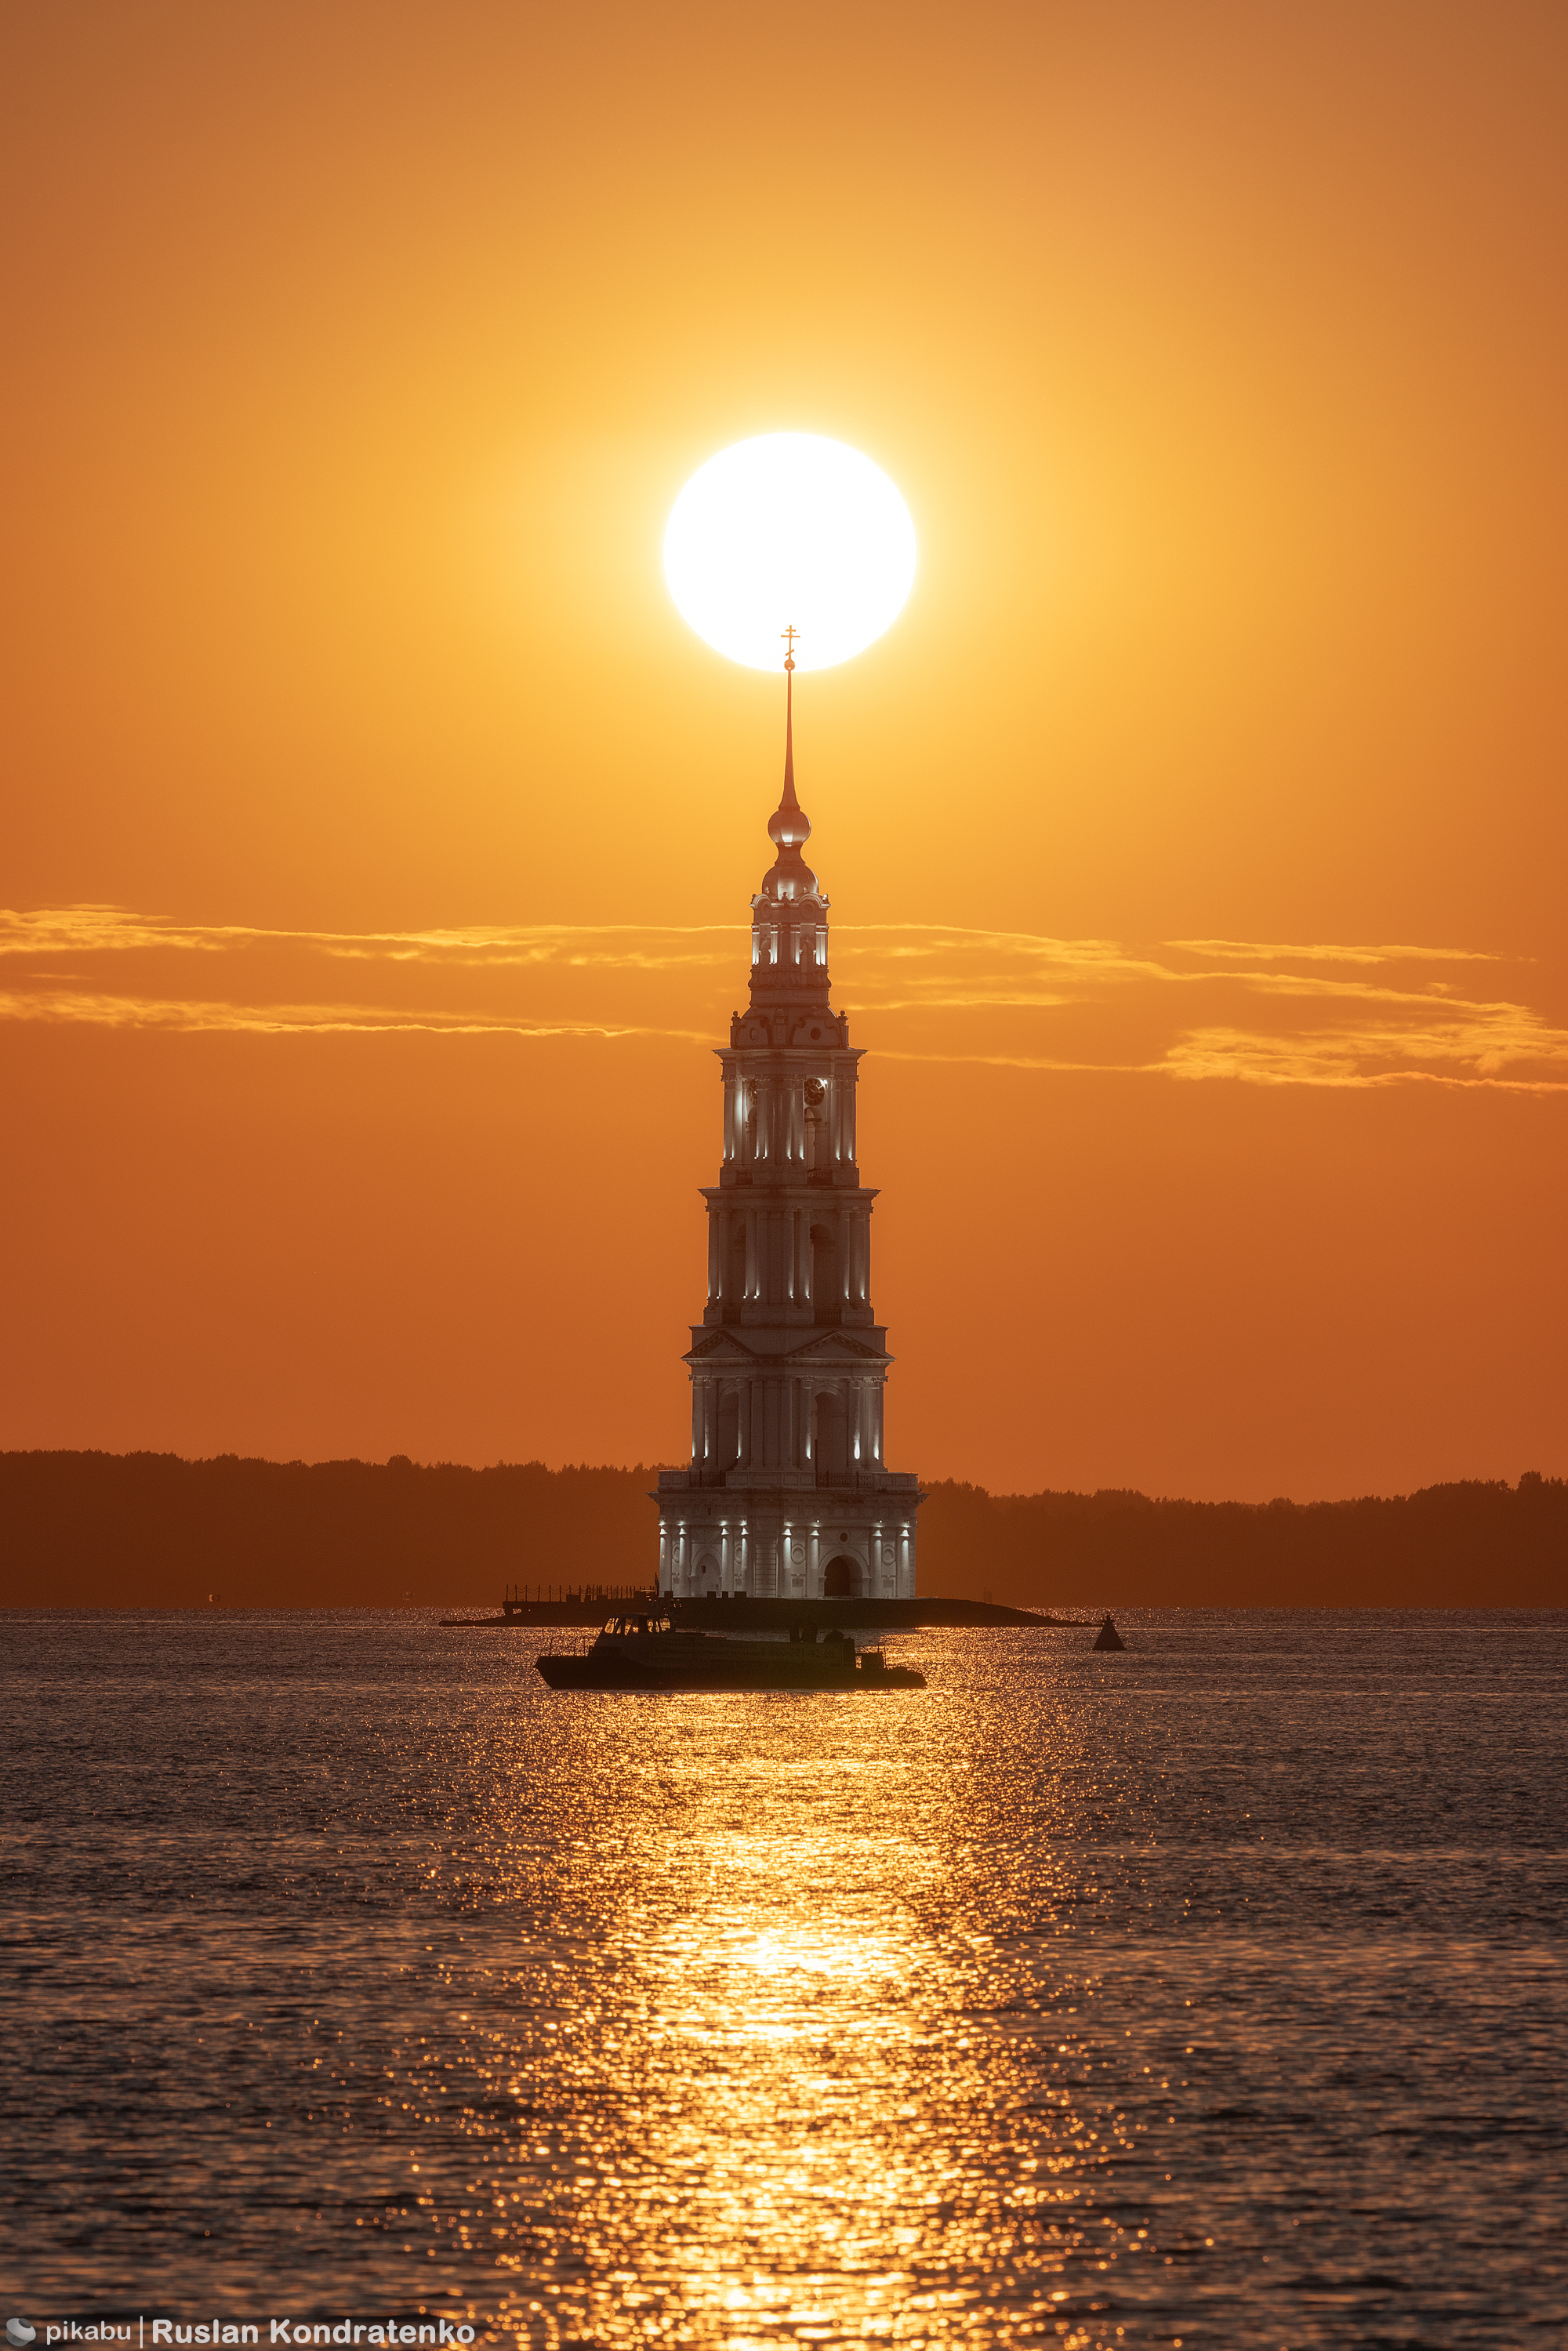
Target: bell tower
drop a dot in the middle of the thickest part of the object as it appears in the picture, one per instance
(788, 1494)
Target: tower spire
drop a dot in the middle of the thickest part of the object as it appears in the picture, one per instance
(790, 828)
(790, 636)
(790, 912)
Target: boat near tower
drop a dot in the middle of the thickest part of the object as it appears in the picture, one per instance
(644, 1649)
(788, 1494)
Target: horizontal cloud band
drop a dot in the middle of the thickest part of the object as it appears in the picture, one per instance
(1263, 1014)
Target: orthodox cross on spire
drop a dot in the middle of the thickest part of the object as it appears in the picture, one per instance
(790, 636)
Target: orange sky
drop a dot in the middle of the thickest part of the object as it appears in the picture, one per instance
(1195, 839)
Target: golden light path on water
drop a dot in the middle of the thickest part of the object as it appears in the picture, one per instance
(789, 2124)
(1078, 2001)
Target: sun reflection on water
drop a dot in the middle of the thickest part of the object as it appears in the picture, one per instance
(791, 2086)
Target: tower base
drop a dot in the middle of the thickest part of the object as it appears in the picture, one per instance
(845, 1534)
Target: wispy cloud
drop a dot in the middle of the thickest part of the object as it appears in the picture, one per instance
(1258, 1013)
(1253, 951)
(111, 930)
(1264, 1013)
(1459, 1053)
(193, 1017)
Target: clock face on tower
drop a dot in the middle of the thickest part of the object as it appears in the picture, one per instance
(815, 1089)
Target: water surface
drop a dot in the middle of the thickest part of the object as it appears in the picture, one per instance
(1212, 1993)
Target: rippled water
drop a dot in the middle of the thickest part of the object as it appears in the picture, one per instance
(1211, 1993)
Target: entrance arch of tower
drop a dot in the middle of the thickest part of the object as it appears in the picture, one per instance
(841, 1578)
(704, 1573)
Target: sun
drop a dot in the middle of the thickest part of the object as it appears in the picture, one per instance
(789, 528)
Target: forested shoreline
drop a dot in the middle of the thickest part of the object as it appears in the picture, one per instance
(144, 1530)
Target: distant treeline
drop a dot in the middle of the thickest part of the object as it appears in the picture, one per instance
(149, 1529)
(1469, 1545)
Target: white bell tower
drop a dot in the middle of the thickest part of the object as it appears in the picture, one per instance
(788, 1494)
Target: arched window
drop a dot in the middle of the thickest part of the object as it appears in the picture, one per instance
(829, 1432)
(825, 1299)
(728, 1429)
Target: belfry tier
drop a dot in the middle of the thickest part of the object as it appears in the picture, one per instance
(788, 1493)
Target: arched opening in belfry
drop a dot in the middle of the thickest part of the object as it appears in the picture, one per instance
(735, 1285)
(829, 1432)
(728, 1429)
(841, 1578)
(824, 1274)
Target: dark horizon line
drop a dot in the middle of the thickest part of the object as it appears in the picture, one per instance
(1527, 1480)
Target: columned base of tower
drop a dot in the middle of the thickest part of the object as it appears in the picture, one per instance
(843, 1534)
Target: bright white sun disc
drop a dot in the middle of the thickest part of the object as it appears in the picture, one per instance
(789, 529)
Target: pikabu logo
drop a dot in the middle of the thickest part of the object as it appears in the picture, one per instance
(18, 2332)
(71, 2330)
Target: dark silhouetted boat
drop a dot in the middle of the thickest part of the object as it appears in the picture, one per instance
(646, 1651)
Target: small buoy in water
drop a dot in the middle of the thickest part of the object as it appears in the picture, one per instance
(1107, 1637)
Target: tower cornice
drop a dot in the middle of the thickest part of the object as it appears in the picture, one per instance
(797, 1057)
(792, 1192)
